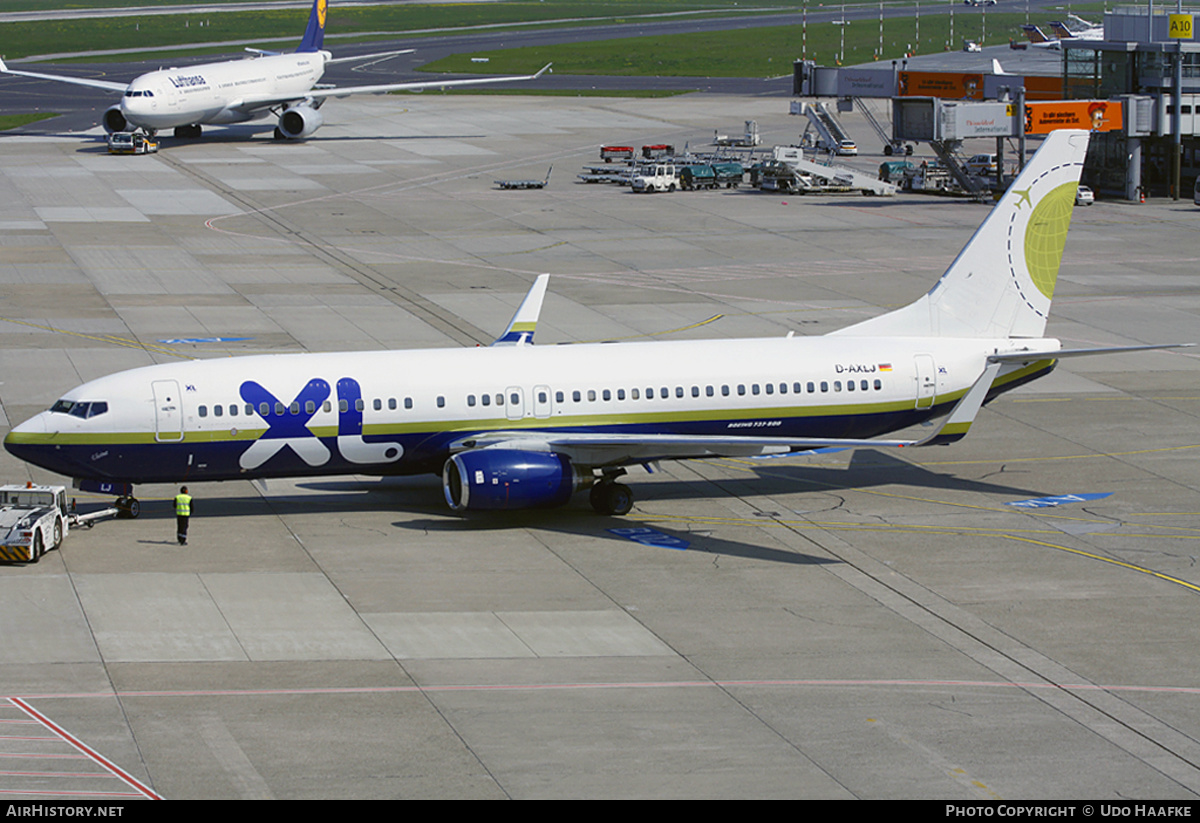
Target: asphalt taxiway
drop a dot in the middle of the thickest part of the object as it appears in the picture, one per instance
(854, 624)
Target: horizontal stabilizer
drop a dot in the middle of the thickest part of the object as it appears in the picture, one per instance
(1054, 354)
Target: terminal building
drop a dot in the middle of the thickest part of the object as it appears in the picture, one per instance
(1144, 67)
(1148, 56)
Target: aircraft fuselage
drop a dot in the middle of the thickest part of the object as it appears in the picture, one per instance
(399, 412)
(219, 93)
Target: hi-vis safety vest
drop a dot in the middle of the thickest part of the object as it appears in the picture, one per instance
(183, 505)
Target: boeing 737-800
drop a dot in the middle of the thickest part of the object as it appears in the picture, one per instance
(236, 91)
(516, 425)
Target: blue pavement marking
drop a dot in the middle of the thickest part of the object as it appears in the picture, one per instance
(175, 341)
(651, 537)
(1057, 500)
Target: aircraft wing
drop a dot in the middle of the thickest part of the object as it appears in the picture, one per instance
(346, 91)
(62, 78)
(359, 57)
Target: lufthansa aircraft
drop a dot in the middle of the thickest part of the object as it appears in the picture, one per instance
(235, 91)
(516, 425)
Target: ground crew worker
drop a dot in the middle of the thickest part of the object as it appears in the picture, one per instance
(183, 510)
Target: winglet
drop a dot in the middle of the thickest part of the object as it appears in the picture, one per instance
(958, 422)
(3, 67)
(542, 71)
(524, 323)
(314, 35)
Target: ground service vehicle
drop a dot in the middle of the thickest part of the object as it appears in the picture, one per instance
(124, 142)
(33, 519)
(1084, 196)
(611, 153)
(656, 177)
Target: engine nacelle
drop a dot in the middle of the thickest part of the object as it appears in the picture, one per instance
(492, 479)
(114, 121)
(299, 122)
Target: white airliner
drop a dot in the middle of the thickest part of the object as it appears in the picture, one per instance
(516, 425)
(1064, 33)
(235, 91)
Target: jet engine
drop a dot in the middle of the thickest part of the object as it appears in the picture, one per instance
(299, 122)
(493, 479)
(114, 121)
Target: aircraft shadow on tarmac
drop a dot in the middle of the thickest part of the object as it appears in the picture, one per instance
(423, 497)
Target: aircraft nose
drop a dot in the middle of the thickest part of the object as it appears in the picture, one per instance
(34, 425)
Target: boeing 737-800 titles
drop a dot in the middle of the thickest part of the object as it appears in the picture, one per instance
(235, 91)
(516, 425)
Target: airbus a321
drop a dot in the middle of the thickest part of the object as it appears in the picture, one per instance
(236, 91)
(516, 425)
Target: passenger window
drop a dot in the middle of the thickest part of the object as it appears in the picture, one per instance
(849, 385)
(741, 389)
(695, 391)
(441, 402)
(837, 385)
(812, 388)
(486, 399)
(408, 402)
(878, 385)
(377, 405)
(824, 386)
(294, 408)
(591, 395)
(343, 406)
(359, 405)
(724, 391)
(770, 388)
(708, 391)
(233, 410)
(634, 394)
(606, 394)
(392, 403)
(863, 385)
(470, 400)
(499, 399)
(203, 410)
(620, 394)
(576, 396)
(559, 397)
(218, 411)
(279, 409)
(264, 409)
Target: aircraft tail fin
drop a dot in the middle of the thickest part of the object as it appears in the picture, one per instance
(521, 328)
(1001, 283)
(1034, 34)
(314, 35)
(1061, 30)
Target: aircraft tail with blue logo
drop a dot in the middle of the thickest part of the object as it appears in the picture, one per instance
(314, 35)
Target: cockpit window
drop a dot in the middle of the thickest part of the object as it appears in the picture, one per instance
(84, 409)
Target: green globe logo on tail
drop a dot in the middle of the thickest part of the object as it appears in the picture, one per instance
(1046, 236)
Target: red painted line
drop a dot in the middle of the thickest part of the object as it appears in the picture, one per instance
(105, 775)
(676, 684)
(92, 754)
(75, 794)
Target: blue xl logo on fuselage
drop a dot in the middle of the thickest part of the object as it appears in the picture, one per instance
(287, 425)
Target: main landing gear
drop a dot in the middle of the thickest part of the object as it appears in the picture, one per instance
(187, 132)
(610, 497)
